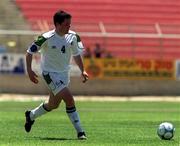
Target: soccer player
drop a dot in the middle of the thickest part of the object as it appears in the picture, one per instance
(56, 48)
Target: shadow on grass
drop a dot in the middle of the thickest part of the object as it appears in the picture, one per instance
(153, 141)
(53, 138)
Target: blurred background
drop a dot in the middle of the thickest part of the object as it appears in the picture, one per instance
(132, 47)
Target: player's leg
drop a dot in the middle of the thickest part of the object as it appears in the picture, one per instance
(42, 109)
(32, 115)
(52, 103)
(71, 111)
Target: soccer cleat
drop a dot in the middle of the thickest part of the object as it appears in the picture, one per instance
(82, 136)
(29, 122)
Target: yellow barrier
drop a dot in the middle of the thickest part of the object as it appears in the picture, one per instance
(117, 68)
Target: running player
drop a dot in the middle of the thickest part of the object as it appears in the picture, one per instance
(56, 48)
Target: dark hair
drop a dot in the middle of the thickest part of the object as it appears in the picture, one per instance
(60, 16)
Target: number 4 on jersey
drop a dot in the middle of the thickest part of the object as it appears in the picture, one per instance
(63, 49)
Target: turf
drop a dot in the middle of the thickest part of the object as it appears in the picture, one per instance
(106, 124)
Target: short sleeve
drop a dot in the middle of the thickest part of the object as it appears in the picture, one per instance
(36, 45)
(77, 46)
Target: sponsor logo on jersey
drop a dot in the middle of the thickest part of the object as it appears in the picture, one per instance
(53, 47)
(59, 83)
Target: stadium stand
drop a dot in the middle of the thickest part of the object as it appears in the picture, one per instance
(12, 19)
(117, 16)
(10, 16)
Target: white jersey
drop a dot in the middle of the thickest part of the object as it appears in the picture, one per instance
(56, 51)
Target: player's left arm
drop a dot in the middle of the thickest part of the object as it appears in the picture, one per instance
(79, 62)
(77, 49)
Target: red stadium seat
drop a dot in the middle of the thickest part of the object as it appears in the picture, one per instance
(122, 16)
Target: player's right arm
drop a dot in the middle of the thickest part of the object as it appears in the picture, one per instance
(32, 75)
(33, 48)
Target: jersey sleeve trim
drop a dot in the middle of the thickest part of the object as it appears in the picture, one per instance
(79, 53)
(40, 40)
(80, 44)
(28, 51)
(36, 45)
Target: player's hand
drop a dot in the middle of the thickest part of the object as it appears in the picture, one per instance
(85, 76)
(33, 76)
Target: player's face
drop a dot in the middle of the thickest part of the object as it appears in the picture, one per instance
(63, 28)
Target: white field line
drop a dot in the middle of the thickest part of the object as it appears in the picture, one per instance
(23, 98)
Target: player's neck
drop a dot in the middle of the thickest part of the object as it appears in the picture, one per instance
(61, 34)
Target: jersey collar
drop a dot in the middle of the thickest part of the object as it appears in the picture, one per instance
(60, 37)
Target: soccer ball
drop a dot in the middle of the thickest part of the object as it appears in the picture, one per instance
(166, 131)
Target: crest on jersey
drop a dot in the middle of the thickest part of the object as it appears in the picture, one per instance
(59, 83)
(54, 47)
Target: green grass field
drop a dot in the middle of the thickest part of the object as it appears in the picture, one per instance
(106, 124)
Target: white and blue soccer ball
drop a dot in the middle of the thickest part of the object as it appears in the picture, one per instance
(166, 131)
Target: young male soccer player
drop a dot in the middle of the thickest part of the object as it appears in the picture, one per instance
(56, 47)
